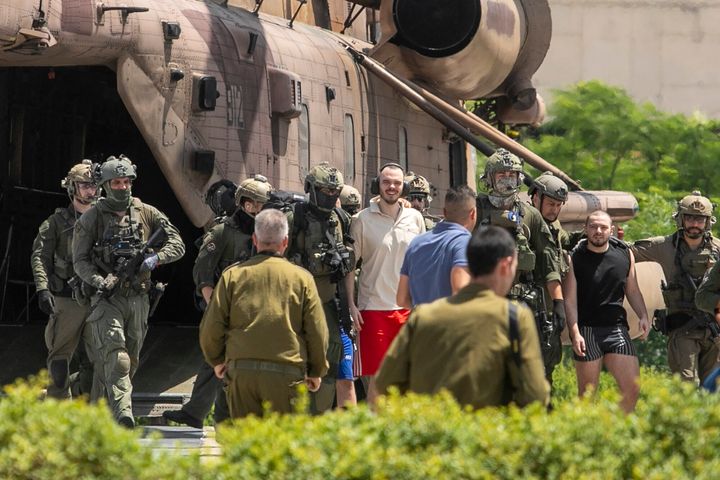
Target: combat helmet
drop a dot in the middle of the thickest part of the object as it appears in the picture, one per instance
(549, 185)
(350, 199)
(220, 197)
(695, 204)
(418, 185)
(115, 167)
(323, 176)
(257, 189)
(502, 161)
(80, 173)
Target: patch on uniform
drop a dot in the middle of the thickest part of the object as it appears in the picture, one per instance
(210, 247)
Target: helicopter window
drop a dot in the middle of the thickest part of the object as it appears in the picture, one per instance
(304, 138)
(349, 147)
(402, 148)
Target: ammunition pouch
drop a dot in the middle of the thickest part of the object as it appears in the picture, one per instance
(76, 286)
(526, 257)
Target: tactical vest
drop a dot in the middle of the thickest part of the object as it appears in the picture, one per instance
(121, 237)
(236, 245)
(311, 248)
(690, 267)
(62, 256)
(562, 255)
(512, 221)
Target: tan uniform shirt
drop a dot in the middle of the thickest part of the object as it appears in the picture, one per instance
(266, 309)
(381, 242)
(462, 344)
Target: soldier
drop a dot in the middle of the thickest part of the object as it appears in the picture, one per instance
(262, 342)
(320, 241)
(419, 197)
(51, 263)
(350, 199)
(549, 194)
(685, 256)
(228, 242)
(111, 253)
(481, 347)
(538, 263)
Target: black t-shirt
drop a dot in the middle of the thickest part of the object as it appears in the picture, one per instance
(601, 279)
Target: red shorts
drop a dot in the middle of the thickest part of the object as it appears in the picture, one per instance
(378, 331)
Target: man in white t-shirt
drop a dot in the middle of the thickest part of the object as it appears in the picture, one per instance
(382, 233)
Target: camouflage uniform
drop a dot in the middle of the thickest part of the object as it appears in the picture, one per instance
(111, 231)
(419, 187)
(549, 185)
(226, 243)
(476, 364)
(311, 248)
(51, 263)
(538, 261)
(692, 353)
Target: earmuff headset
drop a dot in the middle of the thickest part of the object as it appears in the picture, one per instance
(375, 184)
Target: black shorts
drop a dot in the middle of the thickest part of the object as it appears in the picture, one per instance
(599, 341)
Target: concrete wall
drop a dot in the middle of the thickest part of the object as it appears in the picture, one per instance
(662, 51)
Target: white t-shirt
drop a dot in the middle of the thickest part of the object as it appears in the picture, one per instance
(381, 242)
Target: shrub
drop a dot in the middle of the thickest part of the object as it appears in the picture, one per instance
(58, 440)
(672, 434)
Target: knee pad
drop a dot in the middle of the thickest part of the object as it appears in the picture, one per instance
(59, 372)
(121, 363)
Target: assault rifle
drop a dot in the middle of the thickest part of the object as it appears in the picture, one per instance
(127, 267)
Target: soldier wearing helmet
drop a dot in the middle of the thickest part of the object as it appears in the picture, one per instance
(350, 199)
(685, 257)
(320, 242)
(539, 269)
(419, 197)
(51, 263)
(226, 243)
(548, 194)
(111, 255)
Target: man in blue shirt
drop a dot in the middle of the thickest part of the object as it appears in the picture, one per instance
(435, 264)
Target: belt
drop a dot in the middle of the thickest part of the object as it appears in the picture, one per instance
(267, 367)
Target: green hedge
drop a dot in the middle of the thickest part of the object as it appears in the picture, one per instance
(673, 434)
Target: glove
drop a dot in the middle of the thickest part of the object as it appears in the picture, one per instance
(559, 314)
(46, 302)
(109, 283)
(150, 262)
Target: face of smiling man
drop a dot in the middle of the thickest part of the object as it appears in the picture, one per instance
(391, 184)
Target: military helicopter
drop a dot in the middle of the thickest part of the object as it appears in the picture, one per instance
(197, 91)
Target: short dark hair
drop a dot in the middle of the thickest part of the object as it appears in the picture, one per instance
(487, 247)
(459, 201)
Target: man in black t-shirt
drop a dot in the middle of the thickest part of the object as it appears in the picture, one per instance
(603, 272)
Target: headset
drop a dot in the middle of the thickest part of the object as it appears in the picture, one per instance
(375, 183)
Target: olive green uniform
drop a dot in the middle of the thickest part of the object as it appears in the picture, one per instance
(691, 352)
(51, 263)
(430, 221)
(462, 344)
(538, 263)
(228, 242)
(265, 321)
(307, 248)
(119, 323)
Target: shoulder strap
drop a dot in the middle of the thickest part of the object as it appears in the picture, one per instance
(344, 220)
(514, 333)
